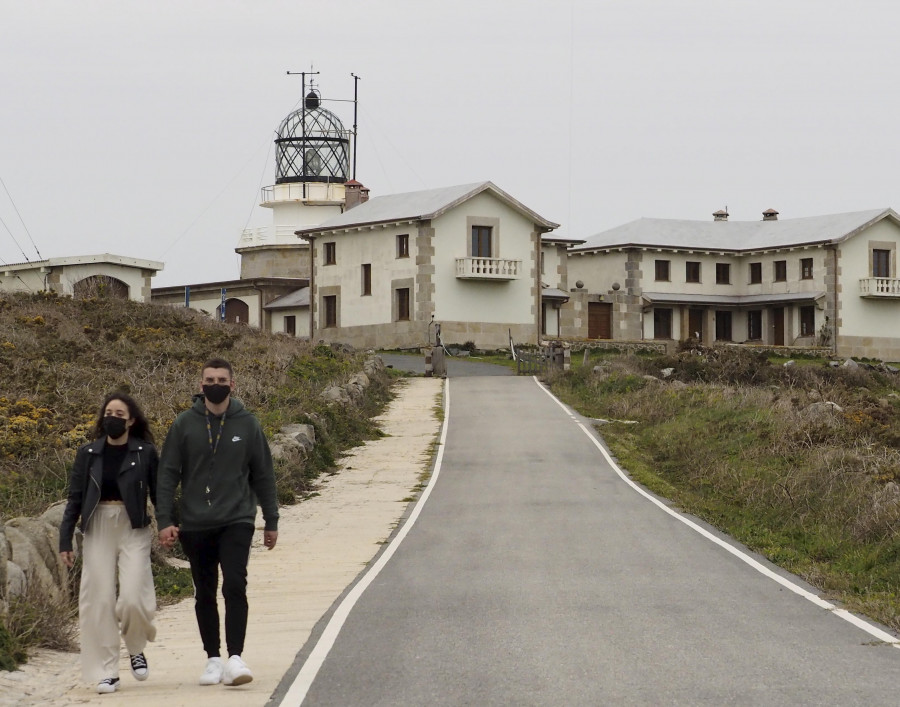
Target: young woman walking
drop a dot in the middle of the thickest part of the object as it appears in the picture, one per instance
(110, 482)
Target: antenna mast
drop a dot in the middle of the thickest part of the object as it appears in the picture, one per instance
(355, 104)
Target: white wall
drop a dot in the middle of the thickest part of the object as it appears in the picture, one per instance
(301, 320)
(502, 302)
(863, 316)
(377, 247)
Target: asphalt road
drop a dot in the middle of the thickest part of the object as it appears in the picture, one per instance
(457, 367)
(533, 574)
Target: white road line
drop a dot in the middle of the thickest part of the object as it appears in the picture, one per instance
(300, 687)
(744, 557)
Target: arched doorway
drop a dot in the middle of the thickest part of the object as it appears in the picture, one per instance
(100, 286)
(236, 312)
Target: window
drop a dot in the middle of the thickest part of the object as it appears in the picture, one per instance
(481, 241)
(403, 245)
(806, 268)
(807, 321)
(542, 262)
(754, 325)
(403, 304)
(330, 253)
(881, 263)
(366, 279)
(290, 325)
(723, 325)
(755, 273)
(662, 270)
(723, 274)
(662, 323)
(329, 303)
(780, 270)
(692, 271)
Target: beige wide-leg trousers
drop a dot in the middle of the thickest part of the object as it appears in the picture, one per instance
(111, 542)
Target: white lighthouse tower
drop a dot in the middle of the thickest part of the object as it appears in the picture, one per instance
(312, 163)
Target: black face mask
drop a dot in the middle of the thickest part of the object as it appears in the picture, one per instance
(216, 393)
(114, 427)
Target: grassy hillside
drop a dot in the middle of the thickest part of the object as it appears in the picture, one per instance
(755, 449)
(60, 356)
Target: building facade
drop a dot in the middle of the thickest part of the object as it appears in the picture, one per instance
(83, 276)
(466, 259)
(820, 281)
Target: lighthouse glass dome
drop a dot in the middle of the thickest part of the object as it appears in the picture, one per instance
(312, 146)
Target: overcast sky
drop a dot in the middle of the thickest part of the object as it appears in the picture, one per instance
(146, 129)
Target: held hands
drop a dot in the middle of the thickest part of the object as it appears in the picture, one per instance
(168, 536)
(68, 558)
(270, 537)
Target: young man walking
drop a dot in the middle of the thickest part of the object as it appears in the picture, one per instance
(218, 453)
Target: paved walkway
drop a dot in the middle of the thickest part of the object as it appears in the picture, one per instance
(323, 544)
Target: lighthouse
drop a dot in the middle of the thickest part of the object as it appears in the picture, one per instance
(312, 168)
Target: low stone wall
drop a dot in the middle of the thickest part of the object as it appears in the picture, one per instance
(610, 345)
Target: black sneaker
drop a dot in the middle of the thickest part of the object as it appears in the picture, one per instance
(139, 667)
(108, 685)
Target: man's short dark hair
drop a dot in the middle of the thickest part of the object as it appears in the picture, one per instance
(218, 363)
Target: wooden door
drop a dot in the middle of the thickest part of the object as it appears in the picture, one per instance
(599, 320)
(778, 326)
(695, 324)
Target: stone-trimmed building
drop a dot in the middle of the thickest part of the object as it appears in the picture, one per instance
(822, 280)
(83, 275)
(390, 269)
(268, 303)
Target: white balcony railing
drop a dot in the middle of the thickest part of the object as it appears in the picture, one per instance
(880, 287)
(488, 268)
(269, 235)
(308, 192)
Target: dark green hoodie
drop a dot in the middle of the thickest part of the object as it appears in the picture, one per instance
(220, 488)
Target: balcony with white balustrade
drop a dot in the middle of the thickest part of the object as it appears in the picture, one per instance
(488, 269)
(880, 287)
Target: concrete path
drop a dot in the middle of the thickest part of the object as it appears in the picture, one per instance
(536, 574)
(323, 544)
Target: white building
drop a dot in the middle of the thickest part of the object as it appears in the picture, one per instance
(312, 162)
(83, 275)
(823, 280)
(390, 269)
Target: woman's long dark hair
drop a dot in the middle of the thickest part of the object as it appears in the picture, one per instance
(140, 428)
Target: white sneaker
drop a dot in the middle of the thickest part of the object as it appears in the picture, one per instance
(236, 672)
(212, 675)
(107, 685)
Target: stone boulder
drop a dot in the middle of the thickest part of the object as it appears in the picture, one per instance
(295, 438)
(373, 366)
(825, 412)
(16, 584)
(335, 395)
(356, 386)
(34, 545)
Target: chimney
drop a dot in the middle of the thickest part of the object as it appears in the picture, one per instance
(770, 215)
(354, 194)
(720, 215)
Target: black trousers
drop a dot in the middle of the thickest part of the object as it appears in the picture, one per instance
(227, 547)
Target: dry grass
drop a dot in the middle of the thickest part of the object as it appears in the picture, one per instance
(60, 356)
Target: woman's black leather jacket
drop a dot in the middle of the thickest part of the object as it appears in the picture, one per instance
(137, 483)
